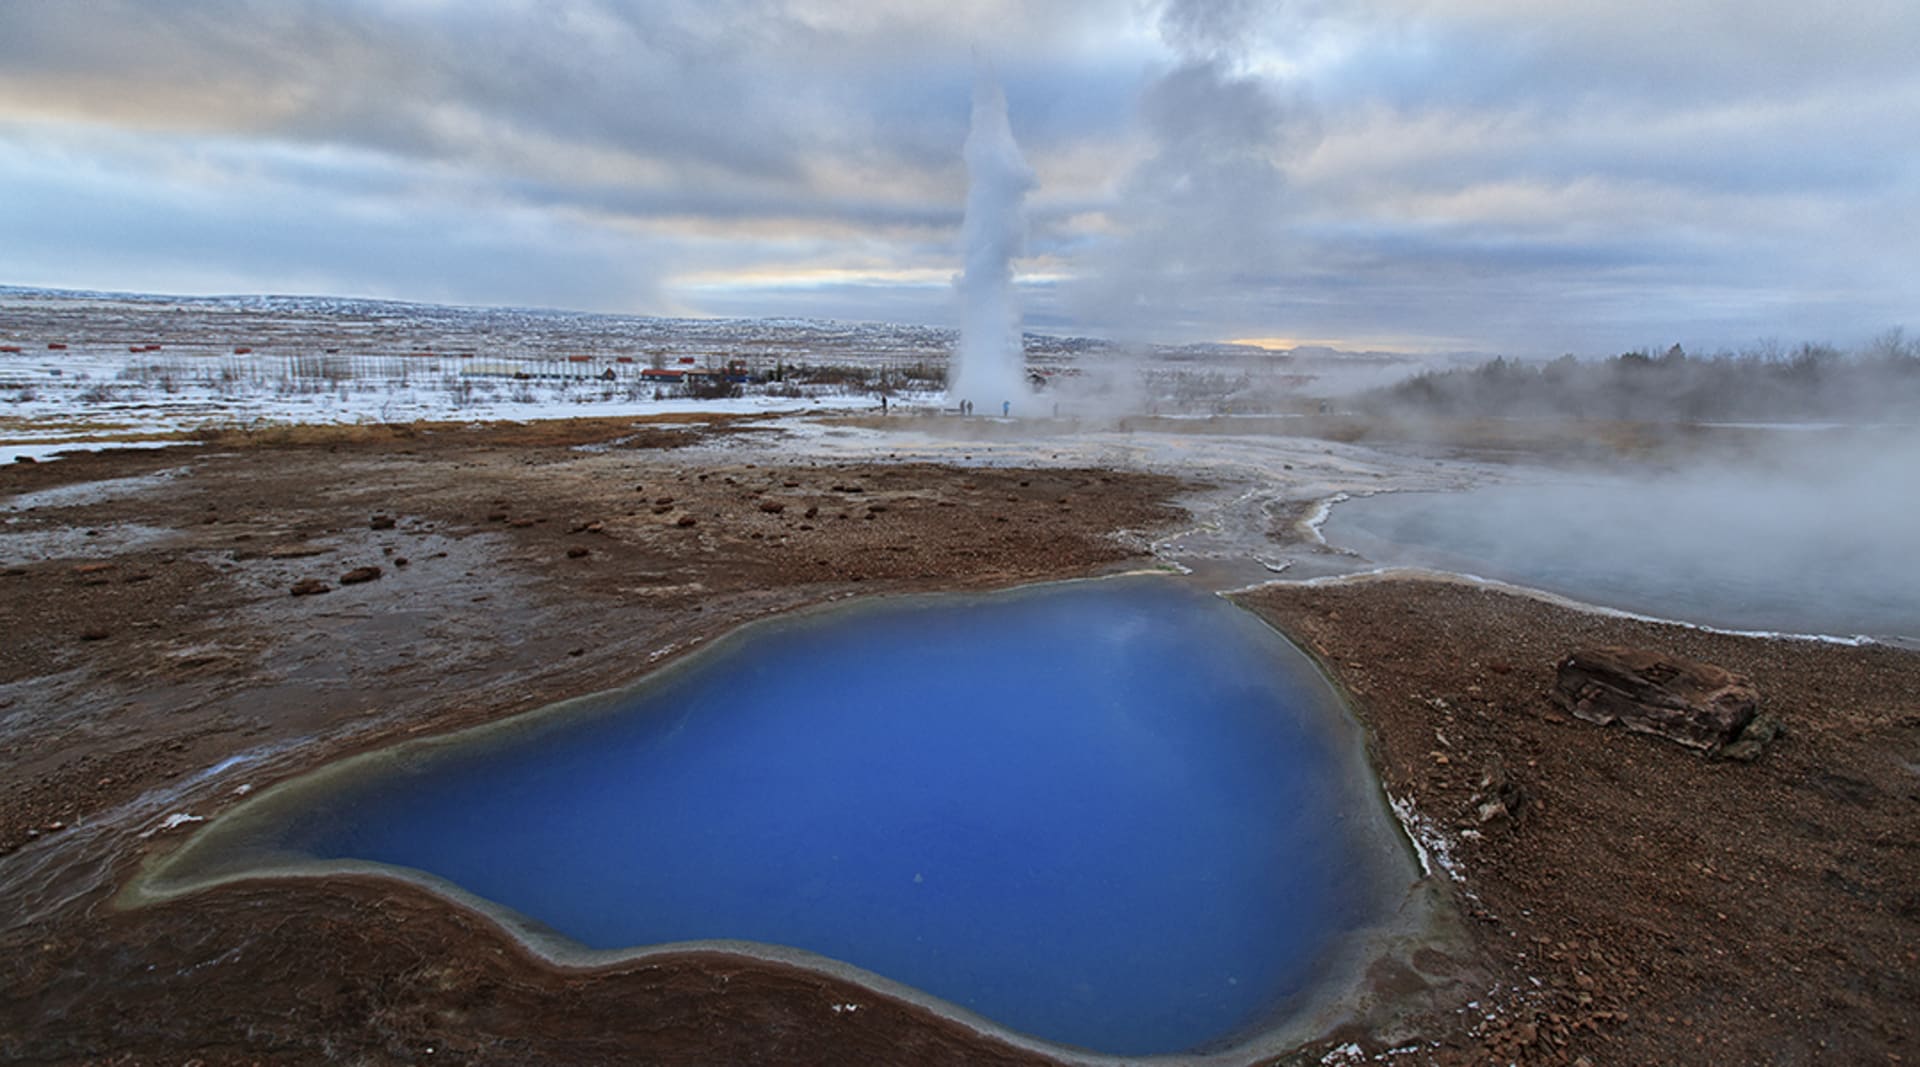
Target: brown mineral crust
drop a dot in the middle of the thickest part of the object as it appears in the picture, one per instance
(1671, 909)
(364, 970)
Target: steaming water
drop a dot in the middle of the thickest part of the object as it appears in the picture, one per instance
(989, 365)
(1118, 815)
(1836, 561)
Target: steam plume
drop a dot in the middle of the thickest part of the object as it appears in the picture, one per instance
(990, 366)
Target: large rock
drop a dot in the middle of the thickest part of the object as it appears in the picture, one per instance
(1697, 704)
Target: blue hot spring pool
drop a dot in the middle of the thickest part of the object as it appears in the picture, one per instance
(1119, 815)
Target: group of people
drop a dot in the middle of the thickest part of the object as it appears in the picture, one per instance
(1006, 407)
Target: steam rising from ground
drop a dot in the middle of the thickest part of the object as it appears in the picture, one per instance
(989, 365)
(1201, 217)
(1811, 531)
(1206, 212)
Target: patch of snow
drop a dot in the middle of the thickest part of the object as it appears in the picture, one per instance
(174, 822)
(1430, 846)
(43, 452)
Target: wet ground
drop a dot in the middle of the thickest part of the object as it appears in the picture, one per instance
(157, 668)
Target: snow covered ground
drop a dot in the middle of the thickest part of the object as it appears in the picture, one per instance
(104, 367)
(105, 370)
(90, 393)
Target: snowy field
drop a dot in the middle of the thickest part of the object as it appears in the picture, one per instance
(55, 400)
(106, 368)
(88, 393)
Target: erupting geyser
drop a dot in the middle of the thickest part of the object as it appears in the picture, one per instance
(989, 367)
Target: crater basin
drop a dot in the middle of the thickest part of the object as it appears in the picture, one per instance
(1123, 816)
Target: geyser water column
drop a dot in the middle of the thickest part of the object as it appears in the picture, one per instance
(989, 367)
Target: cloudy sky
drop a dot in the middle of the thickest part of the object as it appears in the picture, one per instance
(1523, 176)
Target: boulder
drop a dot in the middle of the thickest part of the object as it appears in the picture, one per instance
(1699, 705)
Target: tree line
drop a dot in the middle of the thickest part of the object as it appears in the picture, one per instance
(1812, 381)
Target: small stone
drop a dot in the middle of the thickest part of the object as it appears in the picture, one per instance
(294, 551)
(686, 521)
(381, 522)
(310, 587)
(772, 507)
(496, 516)
(578, 553)
(95, 634)
(401, 561)
(359, 574)
(521, 524)
(1759, 733)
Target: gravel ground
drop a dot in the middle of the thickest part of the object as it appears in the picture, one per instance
(1646, 905)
